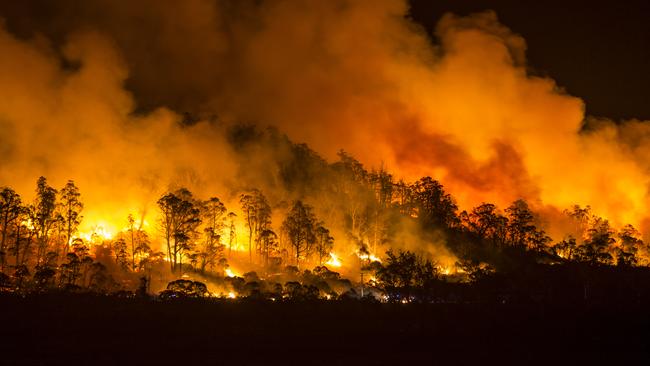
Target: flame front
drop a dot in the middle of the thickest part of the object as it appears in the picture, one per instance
(334, 261)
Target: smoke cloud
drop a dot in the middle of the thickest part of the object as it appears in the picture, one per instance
(96, 91)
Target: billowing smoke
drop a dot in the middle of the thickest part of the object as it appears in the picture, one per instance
(96, 91)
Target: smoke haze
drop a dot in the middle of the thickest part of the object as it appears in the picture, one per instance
(97, 91)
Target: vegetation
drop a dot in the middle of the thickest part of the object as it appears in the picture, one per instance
(411, 242)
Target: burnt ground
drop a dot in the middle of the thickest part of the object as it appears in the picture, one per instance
(97, 330)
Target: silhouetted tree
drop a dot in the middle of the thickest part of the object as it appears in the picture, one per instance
(566, 248)
(257, 214)
(131, 230)
(520, 223)
(213, 210)
(487, 223)
(121, 253)
(180, 216)
(10, 210)
(299, 225)
(232, 231)
(402, 272)
(70, 210)
(324, 243)
(23, 234)
(630, 242)
(581, 217)
(434, 205)
(184, 288)
(269, 243)
(43, 215)
(70, 270)
(600, 238)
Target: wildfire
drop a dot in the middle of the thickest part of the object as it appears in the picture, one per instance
(232, 295)
(28, 224)
(368, 257)
(334, 261)
(230, 273)
(449, 269)
(98, 232)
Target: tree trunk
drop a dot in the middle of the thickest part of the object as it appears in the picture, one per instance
(132, 250)
(2, 243)
(17, 251)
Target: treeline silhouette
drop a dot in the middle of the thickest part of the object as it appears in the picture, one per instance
(501, 255)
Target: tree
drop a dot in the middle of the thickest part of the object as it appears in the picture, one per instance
(404, 272)
(184, 288)
(521, 229)
(121, 254)
(269, 243)
(299, 225)
(379, 209)
(248, 207)
(353, 185)
(581, 217)
(434, 205)
(139, 243)
(404, 198)
(383, 185)
(131, 229)
(520, 223)
(487, 223)
(600, 238)
(10, 210)
(142, 248)
(324, 243)
(232, 231)
(212, 210)
(71, 208)
(180, 216)
(71, 270)
(630, 242)
(257, 214)
(23, 233)
(566, 249)
(43, 215)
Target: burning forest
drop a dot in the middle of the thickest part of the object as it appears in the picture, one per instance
(306, 154)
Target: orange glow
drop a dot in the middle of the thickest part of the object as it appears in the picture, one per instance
(369, 257)
(100, 231)
(334, 261)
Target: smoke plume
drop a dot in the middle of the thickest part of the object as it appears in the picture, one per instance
(96, 92)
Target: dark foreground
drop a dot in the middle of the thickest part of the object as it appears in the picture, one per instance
(82, 329)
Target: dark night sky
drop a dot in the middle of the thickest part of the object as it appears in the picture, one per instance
(599, 51)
